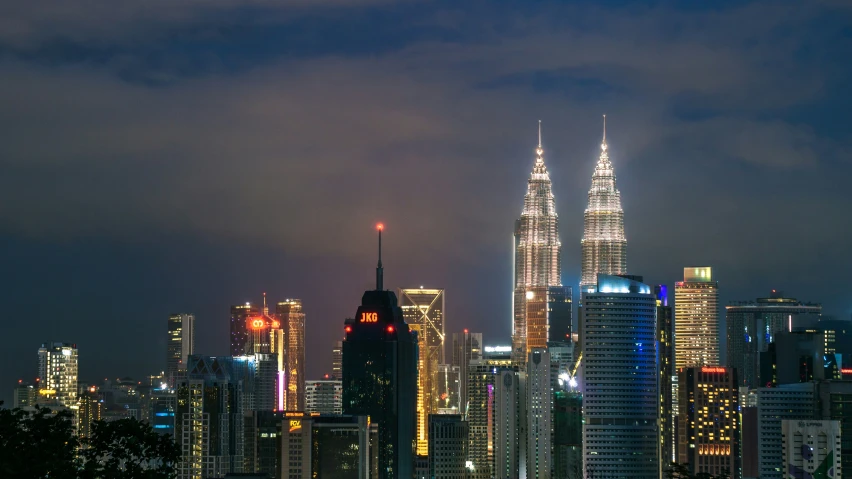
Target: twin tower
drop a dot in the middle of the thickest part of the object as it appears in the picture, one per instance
(538, 252)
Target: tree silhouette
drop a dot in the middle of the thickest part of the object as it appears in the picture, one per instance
(37, 444)
(128, 449)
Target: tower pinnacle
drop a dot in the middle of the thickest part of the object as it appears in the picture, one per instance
(603, 145)
(379, 269)
(539, 133)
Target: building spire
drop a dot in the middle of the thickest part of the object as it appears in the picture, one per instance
(265, 308)
(539, 133)
(603, 145)
(379, 269)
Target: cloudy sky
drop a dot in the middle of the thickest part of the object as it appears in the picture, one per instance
(161, 156)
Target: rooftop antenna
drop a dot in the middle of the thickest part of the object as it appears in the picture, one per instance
(379, 269)
(265, 308)
(539, 134)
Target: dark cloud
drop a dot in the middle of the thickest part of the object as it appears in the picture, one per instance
(169, 153)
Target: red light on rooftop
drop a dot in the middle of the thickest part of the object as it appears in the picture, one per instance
(348, 329)
(465, 331)
(380, 226)
(390, 329)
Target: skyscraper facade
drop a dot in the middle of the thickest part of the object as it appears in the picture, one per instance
(696, 318)
(492, 417)
(539, 410)
(753, 325)
(380, 376)
(537, 263)
(467, 348)
(709, 435)
(423, 311)
(57, 370)
(337, 360)
(604, 246)
(619, 376)
(181, 343)
(665, 342)
(448, 436)
(509, 418)
(324, 396)
(292, 320)
(240, 315)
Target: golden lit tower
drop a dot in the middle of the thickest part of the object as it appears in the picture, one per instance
(423, 311)
(292, 319)
(696, 319)
(537, 264)
(604, 244)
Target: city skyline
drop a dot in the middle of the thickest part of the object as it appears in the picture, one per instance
(235, 206)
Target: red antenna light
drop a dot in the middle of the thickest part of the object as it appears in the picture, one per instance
(465, 331)
(380, 226)
(390, 329)
(348, 329)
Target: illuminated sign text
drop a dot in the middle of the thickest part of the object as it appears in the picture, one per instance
(369, 317)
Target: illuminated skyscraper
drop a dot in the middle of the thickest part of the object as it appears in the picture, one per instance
(696, 319)
(665, 342)
(709, 428)
(467, 348)
(181, 343)
(240, 314)
(423, 311)
(337, 361)
(57, 370)
(380, 376)
(293, 322)
(539, 409)
(537, 264)
(619, 375)
(604, 244)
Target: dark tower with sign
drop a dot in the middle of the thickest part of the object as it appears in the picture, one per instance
(380, 375)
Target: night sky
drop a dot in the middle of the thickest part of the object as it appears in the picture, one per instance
(161, 156)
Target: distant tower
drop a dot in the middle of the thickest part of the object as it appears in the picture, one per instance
(337, 360)
(57, 371)
(696, 319)
(539, 405)
(467, 348)
(181, 343)
(423, 311)
(619, 375)
(665, 341)
(537, 263)
(240, 314)
(293, 322)
(604, 244)
(380, 375)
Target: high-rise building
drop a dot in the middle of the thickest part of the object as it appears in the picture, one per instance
(25, 395)
(696, 319)
(619, 377)
(380, 375)
(665, 343)
(324, 396)
(537, 262)
(835, 403)
(811, 448)
(789, 401)
(161, 410)
(467, 348)
(57, 372)
(559, 314)
(449, 389)
(539, 410)
(753, 325)
(798, 357)
(423, 311)
(292, 319)
(325, 446)
(448, 436)
(181, 343)
(337, 361)
(495, 418)
(604, 244)
(567, 434)
(240, 315)
(708, 439)
(91, 410)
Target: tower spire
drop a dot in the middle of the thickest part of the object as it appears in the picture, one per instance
(379, 269)
(539, 133)
(265, 308)
(604, 136)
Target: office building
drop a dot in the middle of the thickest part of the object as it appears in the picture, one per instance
(811, 448)
(753, 325)
(57, 372)
(696, 319)
(423, 311)
(709, 429)
(604, 246)
(835, 403)
(449, 389)
(240, 315)
(619, 377)
(788, 401)
(467, 348)
(161, 410)
(180, 344)
(559, 314)
(292, 320)
(337, 361)
(380, 376)
(567, 433)
(448, 437)
(665, 343)
(493, 419)
(324, 396)
(262, 450)
(90, 410)
(325, 447)
(799, 356)
(508, 420)
(24, 395)
(539, 410)
(537, 260)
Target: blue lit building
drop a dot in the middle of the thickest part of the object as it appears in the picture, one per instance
(619, 375)
(163, 403)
